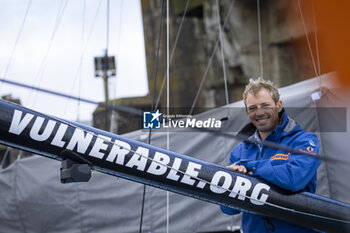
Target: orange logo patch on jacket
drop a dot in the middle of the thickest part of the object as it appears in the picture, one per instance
(280, 156)
(309, 150)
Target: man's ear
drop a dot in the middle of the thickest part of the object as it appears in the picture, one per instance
(279, 105)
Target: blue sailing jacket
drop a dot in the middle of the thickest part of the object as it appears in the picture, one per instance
(289, 171)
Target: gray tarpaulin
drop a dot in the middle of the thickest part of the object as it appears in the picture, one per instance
(32, 199)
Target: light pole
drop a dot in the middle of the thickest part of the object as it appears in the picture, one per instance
(105, 68)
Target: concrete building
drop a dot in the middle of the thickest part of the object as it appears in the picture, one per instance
(285, 52)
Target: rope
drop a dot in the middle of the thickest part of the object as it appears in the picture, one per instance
(120, 25)
(19, 156)
(172, 52)
(5, 157)
(273, 145)
(139, 113)
(307, 38)
(320, 85)
(105, 72)
(209, 63)
(316, 45)
(107, 28)
(222, 53)
(106, 105)
(114, 87)
(153, 101)
(8, 66)
(43, 64)
(260, 41)
(167, 107)
(81, 57)
(78, 72)
(157, 56)
(16, 42)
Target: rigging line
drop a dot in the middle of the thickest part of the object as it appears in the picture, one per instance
(153, 100)
(157, 55)
(210, 61)
(197, 178)
(120, 26)
(114, 85)
(106, 76)
(172, 52)
(19, 155)
(16, 41)
(167, 68)
(167, 106)
(5, 157)
(307, 38)
(81, 57)
(76, 76)
(107, 28)
(114, 88)
(317, 71)
(260, 41)
(125, 109)
(320, 85)
(273, 145)
(43, 64)
(139, 113)
(316, 45)
(9, 63)
(222, 51)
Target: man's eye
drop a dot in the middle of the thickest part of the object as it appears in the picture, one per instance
(265, 105)
(251, 109)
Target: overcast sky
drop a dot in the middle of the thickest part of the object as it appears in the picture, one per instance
(50, 59)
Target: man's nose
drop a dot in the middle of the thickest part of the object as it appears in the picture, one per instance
(260, 111)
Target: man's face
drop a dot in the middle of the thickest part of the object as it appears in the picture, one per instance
(262, 111)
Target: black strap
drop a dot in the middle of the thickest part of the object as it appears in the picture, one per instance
(269, 224)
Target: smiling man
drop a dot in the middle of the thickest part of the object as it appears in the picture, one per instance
(293, 172)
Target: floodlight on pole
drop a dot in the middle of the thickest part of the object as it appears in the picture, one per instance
(105, 68)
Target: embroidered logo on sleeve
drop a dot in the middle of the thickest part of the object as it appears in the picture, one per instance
(312, 143)
(308, 150)
(280, 156)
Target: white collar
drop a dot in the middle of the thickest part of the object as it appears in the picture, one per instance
(257, 138)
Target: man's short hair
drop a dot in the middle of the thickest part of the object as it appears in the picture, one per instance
(254, 86)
